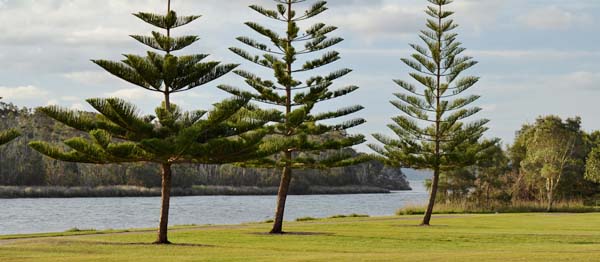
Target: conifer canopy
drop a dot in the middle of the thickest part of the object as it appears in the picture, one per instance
(231, 132)
(296, 88)
(430, 133)
(300, 127)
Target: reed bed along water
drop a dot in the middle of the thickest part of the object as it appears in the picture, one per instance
(136, 191)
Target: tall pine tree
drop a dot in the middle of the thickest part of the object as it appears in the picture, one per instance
(8, 135)
(430, 134)
(303, 131)
(231, 132)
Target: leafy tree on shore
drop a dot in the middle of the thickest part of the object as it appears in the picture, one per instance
(446, 143)
(8, 135)
(592, 167)
(231, 132)
(492, 171)
(303, 131)
(551, 151)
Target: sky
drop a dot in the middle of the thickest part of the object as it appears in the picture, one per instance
(536, 57)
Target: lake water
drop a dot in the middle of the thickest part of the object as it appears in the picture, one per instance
(20, 216)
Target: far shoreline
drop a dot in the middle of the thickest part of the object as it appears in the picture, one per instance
(16, 192)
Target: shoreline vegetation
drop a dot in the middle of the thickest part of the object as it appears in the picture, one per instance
(7, 192)
(465, 207)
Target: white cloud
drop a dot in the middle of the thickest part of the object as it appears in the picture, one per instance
(489, 107)
(548, 83)
(579, 80)
(89, 77)
(479, 15)
(554, 18)
(22, 92)
(52, 102)
(70, 98)
(134, 94)
(77, 106)
(403, 18)
(545, 54)
(384, 20)
(100, 34)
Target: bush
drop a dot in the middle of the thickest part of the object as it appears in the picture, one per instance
(74, 229)
(351, 215)
(305, 219)
(573, 206)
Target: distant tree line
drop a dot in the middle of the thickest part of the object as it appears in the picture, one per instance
(22, 166)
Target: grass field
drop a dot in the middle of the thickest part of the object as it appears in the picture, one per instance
(503, 237)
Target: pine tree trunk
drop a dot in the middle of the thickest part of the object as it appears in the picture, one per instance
(432, 196)
(438, 138)
(282, 193)
(286, 176)
(164, 209)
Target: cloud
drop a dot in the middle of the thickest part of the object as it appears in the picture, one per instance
(99, 34)
(384, 20)
(135, 93)
(70, 98)
(554, 18)
(576, 82)
(89, 77)
(479, 15)
(489, 107)
(579, 80)
(78, 106)
(22, 92)
(519, 54)
(398, 18)
(546, 54)
(52, 102)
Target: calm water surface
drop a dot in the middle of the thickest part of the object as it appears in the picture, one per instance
(20, 216)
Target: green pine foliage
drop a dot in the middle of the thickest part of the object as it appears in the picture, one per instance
(230, 132)
(430, 132)
(301, 130)
(8, 135)
(120, 135)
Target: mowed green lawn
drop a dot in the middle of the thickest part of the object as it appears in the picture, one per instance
(510, 237)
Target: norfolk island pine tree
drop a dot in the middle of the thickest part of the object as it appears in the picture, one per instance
(8, 135)
(445, 142)
(300, 129)
(231, 132)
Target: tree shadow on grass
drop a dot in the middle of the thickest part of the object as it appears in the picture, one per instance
(421, 226)
(106, 243)
(150, 244)
(294, 234)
